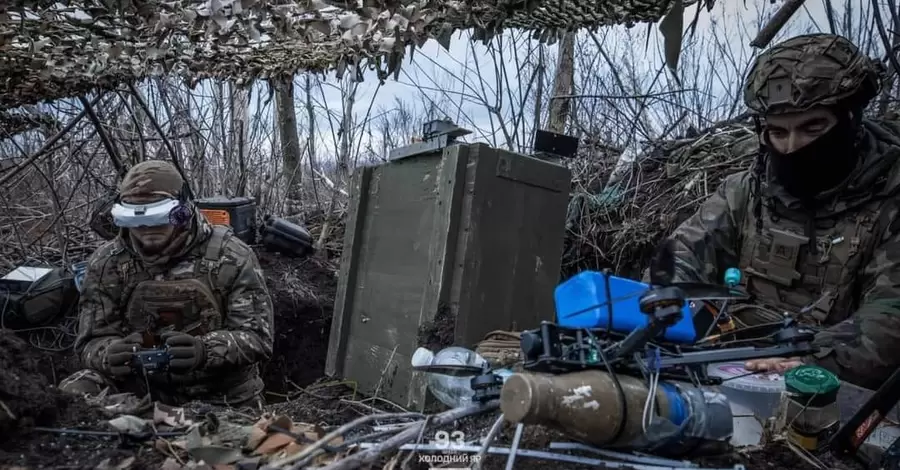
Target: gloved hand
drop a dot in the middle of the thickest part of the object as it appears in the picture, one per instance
(186, 352)
(119, 355)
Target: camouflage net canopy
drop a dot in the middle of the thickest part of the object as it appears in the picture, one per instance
(51, 50)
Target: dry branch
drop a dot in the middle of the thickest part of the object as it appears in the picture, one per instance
(779, 19)
(47, 145)
(372, 454)
(619, 227)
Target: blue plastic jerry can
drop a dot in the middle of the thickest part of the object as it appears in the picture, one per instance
(581, 302)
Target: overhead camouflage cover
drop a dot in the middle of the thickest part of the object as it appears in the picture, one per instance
(49, 50)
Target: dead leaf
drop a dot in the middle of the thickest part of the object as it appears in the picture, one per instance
(291, 449)
(273, 444)
(257, 435)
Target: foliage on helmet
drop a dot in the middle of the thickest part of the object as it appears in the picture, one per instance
(811, 70)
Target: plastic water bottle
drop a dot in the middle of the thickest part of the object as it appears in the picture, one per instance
(450, 390)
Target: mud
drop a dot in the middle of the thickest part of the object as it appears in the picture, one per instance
(303, 292)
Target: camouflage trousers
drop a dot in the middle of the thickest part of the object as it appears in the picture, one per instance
(92, 383)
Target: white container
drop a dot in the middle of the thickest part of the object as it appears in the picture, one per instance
(759, 393)
(748, 429)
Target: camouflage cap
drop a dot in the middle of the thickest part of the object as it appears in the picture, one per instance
(810, 70)
(152, 177)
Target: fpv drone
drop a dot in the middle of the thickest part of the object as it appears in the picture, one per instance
(648, 328)
(664, 339)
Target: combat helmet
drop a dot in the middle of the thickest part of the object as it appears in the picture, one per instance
(810, 70)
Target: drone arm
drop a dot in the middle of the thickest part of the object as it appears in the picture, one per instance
(707, 242)
(736, 354)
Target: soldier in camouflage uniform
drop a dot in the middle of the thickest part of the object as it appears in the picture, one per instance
(178, 283)
(814, 224)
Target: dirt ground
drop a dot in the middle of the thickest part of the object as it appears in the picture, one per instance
(303, 292)
(28, 401)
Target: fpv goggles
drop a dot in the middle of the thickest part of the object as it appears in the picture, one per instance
(152, 214)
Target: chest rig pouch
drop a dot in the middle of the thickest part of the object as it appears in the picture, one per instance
(785, 273)
(187, 305)
(182, 298)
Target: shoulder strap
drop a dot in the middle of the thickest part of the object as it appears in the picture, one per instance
(212, 256)
(211, 263)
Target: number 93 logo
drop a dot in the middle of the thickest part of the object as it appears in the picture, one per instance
(446, 440)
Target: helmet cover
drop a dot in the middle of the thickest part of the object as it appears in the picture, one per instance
(811, 70)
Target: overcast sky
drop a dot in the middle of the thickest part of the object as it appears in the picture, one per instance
(433, 67)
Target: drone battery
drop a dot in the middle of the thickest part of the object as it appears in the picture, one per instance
(583, 302)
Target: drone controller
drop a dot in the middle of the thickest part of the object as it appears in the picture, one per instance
(151, 360)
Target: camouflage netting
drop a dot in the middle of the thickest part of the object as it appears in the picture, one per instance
(619, 227)
(15, 123)
(50, 51)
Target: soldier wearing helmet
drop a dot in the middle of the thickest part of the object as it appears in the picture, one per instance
(814, 223)
(171, 283)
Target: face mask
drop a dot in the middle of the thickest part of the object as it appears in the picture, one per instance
(820, 165)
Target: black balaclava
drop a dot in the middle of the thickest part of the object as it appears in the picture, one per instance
(820, 165)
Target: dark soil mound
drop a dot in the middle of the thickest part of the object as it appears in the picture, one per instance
(26, 395)
(303, 291)
(34, 415)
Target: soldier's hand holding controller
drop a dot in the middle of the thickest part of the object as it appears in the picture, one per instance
(119, 355)
(186, 352)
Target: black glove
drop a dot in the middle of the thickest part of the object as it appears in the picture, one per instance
(186, 352)
(120, 353)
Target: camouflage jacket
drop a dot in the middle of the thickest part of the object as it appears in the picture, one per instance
(214, 289)
(838, 267)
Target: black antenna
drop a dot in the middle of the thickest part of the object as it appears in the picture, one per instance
(662, 266)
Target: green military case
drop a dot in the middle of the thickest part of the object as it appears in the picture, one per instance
(458, 242)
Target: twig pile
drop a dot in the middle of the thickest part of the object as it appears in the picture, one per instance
(618, 227)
